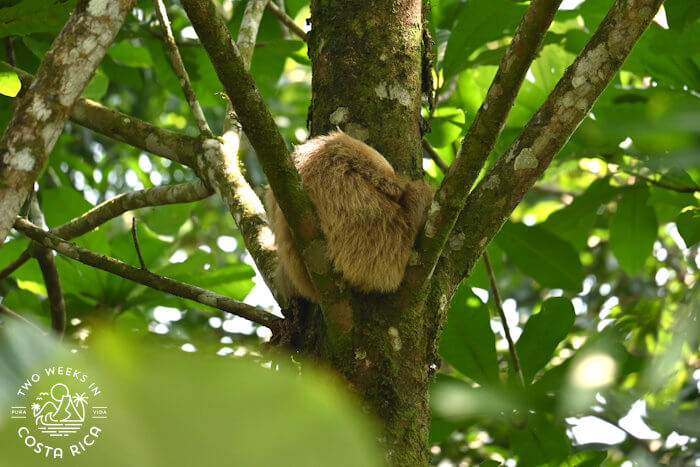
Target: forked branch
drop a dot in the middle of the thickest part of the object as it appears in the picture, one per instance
(504, 186)
(147, 278)
(260, 127)
(115, 207)
(481, 137)
(128, 129)
(39, 118)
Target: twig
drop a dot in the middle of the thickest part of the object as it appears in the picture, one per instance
(10, 51)
(285, 30)
(660, 184)
(157, 196)
(506, 330)
(287, 21)
(481, 138)
(553, 191)
(430, 150)
(18, 317)
(136, 242)
(102, 213)
(147, 278)
(247, 34)
(15, 264)
(180, 71)
(187, 43)
(128, 129)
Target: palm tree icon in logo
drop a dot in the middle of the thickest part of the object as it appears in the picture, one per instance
(63, 414)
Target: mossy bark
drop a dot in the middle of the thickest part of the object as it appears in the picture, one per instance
(366, 59)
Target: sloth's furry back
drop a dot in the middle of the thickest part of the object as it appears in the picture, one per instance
(369, 215)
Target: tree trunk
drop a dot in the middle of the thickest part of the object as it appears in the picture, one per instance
(366, 63)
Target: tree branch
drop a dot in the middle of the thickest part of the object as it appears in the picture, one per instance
(223, 169)
(47, 264)
(6, 311)
(244, 205)
(247, 34)
(430, 150)
(287, 21)
(147, 278)
(226, 176)
(248, 31)
(515, 361)
(480, 139)
(40, 116)
(135, 237)
(157, 196)
(102, 213)
(664, 185)
(259, 126)
(180, 71)
(125, 128)
(504, 186)
(15, 264)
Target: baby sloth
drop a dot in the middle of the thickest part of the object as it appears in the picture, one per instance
(370, 216)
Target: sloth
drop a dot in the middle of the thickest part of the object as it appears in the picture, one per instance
(369, 215)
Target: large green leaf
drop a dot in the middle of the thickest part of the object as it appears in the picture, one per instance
(467, 341)
(541, 442)
(633, 229)
(234, 412)
(479, 22)
(130, 54)
(30, 16)
(546, 258)
(689, 226)
(542, 334)
(447, 125)
(575, 221)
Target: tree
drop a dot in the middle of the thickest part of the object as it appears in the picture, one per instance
(373, 75)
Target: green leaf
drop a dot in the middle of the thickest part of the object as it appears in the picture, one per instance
(233, 280)
(447, 125)
(244, 414)
(467, 341)
(479, 22)
(151, 246)
(549, 260)
(633, 229)
(268, 63)
(542, 334)
(575, 221)
(130, 55)
(542, 442)
(30, 16)
(9, 83)
(97, 87)
(168, 219)
(688, 224)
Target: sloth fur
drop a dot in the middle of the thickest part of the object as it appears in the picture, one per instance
(369, 215)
